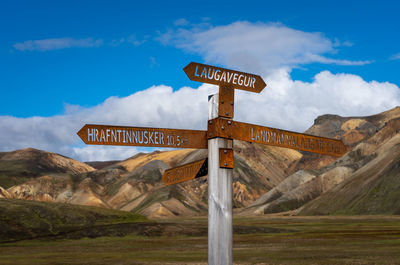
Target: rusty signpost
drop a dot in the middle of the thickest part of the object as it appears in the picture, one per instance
(140, 136)
(224, 77)
(227, 80)
(185, 172)
(218, 139)
(225, 128)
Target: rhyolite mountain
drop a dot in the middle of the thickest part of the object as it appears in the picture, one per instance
(28, 164)
(135, 184)
(266, 179)
(366, 180)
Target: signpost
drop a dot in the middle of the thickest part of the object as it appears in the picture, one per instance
(225, 128)
(140, 136)
(221, 76)
(185, 172)
(218, 139)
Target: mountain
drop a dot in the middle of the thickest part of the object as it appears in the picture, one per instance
(23, 165)
(101, 164)
(266, 179)
(366, 180)
(374, 188)
(135, 184)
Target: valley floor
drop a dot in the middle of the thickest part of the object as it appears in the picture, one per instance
(257, 240)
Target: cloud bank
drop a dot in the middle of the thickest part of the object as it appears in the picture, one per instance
(271, 50)
(256, 46)
(157, 106)
(57, 44)
(65, 43)
(285, 103)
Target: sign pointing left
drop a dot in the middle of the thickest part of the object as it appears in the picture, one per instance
(141, 136)
(185, 172)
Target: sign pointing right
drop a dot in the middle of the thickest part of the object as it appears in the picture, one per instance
(225, 128)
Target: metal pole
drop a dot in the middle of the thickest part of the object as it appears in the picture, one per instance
(219, 199)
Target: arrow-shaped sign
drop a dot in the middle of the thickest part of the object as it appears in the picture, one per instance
(185, 172)
(225, 128)
(221, 76)
(140, 136)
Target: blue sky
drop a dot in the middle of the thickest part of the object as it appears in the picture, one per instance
(70, 61)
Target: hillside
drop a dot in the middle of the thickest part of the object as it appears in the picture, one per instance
(372, 189)
(22, 165)
(20, 219)
(137, 186)
(101, 164)
(364, 181)
(266, 179)
(135, 183)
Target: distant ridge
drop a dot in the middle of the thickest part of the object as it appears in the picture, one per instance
(19, 166)
(364, 181)
(102, 164)
(266, 180)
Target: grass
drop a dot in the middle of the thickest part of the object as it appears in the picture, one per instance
(7, 181)
(290, 240)
(20, 219)
(15, 173)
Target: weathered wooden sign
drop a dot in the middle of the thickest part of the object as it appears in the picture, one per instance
(218, 140)
(225, 128)
(221, 76)
(141, 136)
(185, 172)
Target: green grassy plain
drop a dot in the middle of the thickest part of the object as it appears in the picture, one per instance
(257, 240)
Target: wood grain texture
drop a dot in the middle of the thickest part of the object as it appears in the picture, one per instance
(219, 199)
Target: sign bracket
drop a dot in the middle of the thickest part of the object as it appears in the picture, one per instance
(226, 159)
(226, 101)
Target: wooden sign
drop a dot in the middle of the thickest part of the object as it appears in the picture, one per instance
(225, 128)
(140, 136)
(220, 168)
(221, 76)
(185, 172)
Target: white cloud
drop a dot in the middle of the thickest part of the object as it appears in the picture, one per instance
(338, 43)
(117, 42)
(64, 43)
(157, 106)
(284, 103)
(293, 105)
(132, 39)
(153, 62)
(181, 22)
(255, 47)
(57, 44)
(395, 57)
(103, 153)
